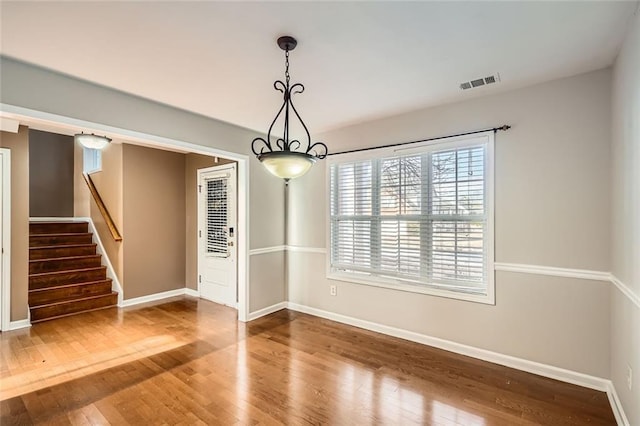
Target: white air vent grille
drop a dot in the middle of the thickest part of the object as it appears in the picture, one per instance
(480, 82)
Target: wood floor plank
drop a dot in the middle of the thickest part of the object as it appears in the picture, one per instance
(188, 361)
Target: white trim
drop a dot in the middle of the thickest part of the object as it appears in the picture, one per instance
(296, 249)
(268, 310)
(299, 249)
(545, 370)
(147, 139)
(77, 125)
(243, 223)
(9, 125)
(17, 325)
(616, 405)
(486, 140)
(111, 273)
(633, 297)
(266, 250)
(5, 279)
(553, 271)
(153, 297)
(191, 292)
(58, 219)
(584, 274)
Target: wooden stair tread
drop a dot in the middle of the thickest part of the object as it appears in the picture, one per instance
(73, 299)
(57, 227)
(56, 222)
(66, 274)
(63, 286)
(73, 313)
(66, 246)
(61, 234)
(67, 271)
(53, 259)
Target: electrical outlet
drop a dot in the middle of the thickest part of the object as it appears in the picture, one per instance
(333, 290)
(629, 377)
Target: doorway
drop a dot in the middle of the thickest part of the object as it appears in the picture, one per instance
(40, 120)
(217, 234)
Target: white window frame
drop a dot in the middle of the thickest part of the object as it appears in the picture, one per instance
(457, 142)
(91, 160)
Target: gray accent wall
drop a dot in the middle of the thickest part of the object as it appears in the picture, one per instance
(51, 162)
(552, 177)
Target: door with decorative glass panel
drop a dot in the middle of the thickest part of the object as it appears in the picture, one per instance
(217, 270)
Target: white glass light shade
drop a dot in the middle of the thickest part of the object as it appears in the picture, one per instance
(92, 141)
(287, 164)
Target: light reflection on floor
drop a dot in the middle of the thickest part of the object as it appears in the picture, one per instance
(444, 414)
(50, 374)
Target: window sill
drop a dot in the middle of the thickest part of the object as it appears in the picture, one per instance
(487, 299)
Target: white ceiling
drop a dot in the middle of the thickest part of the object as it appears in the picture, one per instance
(358, 60)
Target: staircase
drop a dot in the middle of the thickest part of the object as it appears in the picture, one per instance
(66, 276)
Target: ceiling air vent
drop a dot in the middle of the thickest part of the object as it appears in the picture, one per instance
(480, 82)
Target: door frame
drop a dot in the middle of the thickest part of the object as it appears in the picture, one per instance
(5, 231)
(201, 221)
(43, 119)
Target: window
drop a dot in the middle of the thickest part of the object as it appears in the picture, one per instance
(92, 160)
(217, 194)
(417, 219)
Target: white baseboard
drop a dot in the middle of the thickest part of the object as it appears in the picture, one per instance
(545, 370)
(152, 297)
(191, 292)
(550, 371)
(266, 311)
(17, 325)
(616, 406)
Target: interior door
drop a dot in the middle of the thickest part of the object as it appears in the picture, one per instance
(217, 263)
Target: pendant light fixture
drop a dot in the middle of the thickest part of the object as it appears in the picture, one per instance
(91, 141)
(288, 159)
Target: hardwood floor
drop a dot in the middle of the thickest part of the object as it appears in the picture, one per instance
(189, 361)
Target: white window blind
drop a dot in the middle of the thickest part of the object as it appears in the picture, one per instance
(421, 219)
(217, 216)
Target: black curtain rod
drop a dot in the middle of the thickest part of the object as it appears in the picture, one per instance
(494, 129)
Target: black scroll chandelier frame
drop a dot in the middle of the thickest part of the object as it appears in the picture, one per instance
(263, 148)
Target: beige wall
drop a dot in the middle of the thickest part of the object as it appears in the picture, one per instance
(266, 212)
(154, 221)
(51, 161)
(625, 221)
(193, 162)
(552, 180)
(109, 183)
(267, 229)
(18, 143)
(270, 279)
